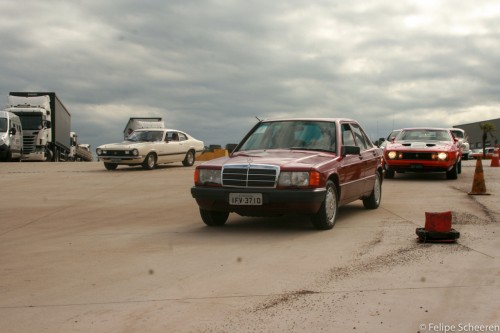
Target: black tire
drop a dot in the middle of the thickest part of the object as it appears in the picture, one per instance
(149, 162)
(453, 173)
(8, 156)
(189, 159)
(389, 173)
(459, 169)
(326, 217)
(110, 166)
(213, 218)
(373, 201)
(435, 236)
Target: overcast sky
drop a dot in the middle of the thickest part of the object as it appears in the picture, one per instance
(210, 67)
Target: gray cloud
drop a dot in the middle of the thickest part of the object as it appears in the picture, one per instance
(210, 67)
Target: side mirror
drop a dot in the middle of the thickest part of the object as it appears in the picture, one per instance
(350, 150)
(13, 131)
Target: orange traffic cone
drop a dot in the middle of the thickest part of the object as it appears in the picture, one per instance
(478, 185)
(494, 159)
(437, 229)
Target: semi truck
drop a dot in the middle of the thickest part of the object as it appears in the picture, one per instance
(46, 125)
(79, 152)
(142, 122)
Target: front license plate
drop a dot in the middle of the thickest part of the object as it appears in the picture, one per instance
(245, 199)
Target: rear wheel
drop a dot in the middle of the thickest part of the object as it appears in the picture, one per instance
(373, 201)
(110, 166)
(326, 217)
(189, 159)
(149, 162)
(213, 218)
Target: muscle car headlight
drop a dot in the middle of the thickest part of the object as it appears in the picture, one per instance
(135, 152)
(295, 178)
(208, 176)
(99, 151)
(442, 156)
(392, 155)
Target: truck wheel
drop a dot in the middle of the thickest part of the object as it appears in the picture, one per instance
(373, 201)
(326, 217)
(149, 162)
(110, 166)
(213, 218)
(189, 159)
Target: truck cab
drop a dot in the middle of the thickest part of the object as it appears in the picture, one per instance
(11, 137)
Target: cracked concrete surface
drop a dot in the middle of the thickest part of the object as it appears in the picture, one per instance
(83, 249)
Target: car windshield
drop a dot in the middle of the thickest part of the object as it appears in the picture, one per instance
(458, 134)
(148, 136)
(424, 135)
(293, 134)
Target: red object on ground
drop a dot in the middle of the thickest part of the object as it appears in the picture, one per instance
(440, 222)
(495, 159)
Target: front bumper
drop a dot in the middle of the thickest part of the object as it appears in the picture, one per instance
(419, 165)
(122, 160)
(274, 201)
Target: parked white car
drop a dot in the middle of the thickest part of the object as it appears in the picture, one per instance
(150, 147)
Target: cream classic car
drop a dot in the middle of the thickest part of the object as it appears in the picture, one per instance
(150, 147)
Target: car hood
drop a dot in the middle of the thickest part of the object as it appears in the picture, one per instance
(124, 145)
(420, 145)
(288, 158)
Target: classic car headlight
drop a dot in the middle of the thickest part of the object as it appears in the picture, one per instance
(392, 155)
(208, 176)
(295, 178)
(135, 152)
(99, 151)
(442, 156)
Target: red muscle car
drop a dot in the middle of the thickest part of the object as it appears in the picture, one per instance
(289, 166)
(423, 150)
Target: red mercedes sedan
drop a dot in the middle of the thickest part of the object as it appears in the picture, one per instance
(423, 150)
(305, 166)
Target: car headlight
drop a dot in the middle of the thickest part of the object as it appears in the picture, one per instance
(135, 152)
(294, 178)
(392, 155)
(98, 151)
(442, 156)
(208, 176)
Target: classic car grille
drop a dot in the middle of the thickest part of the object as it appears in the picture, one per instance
(250, 175)
(417, 156)
(111, 153)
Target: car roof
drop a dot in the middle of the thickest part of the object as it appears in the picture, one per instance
(425, 128)
(308, 119)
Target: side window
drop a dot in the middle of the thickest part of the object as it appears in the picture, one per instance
(347, 137)
(361, 140)
(182, 137)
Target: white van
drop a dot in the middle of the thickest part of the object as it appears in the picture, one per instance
(11, 137)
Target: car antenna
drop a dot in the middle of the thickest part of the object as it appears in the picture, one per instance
(258, 119)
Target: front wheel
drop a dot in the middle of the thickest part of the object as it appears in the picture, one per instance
(110, 166)
(373, 201)
(149, 162)
(326, 217)
(213, 218)
(453, 173)
(189, 159)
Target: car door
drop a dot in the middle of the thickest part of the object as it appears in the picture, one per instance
(369, 157)
(175, 146)
(351, 169)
